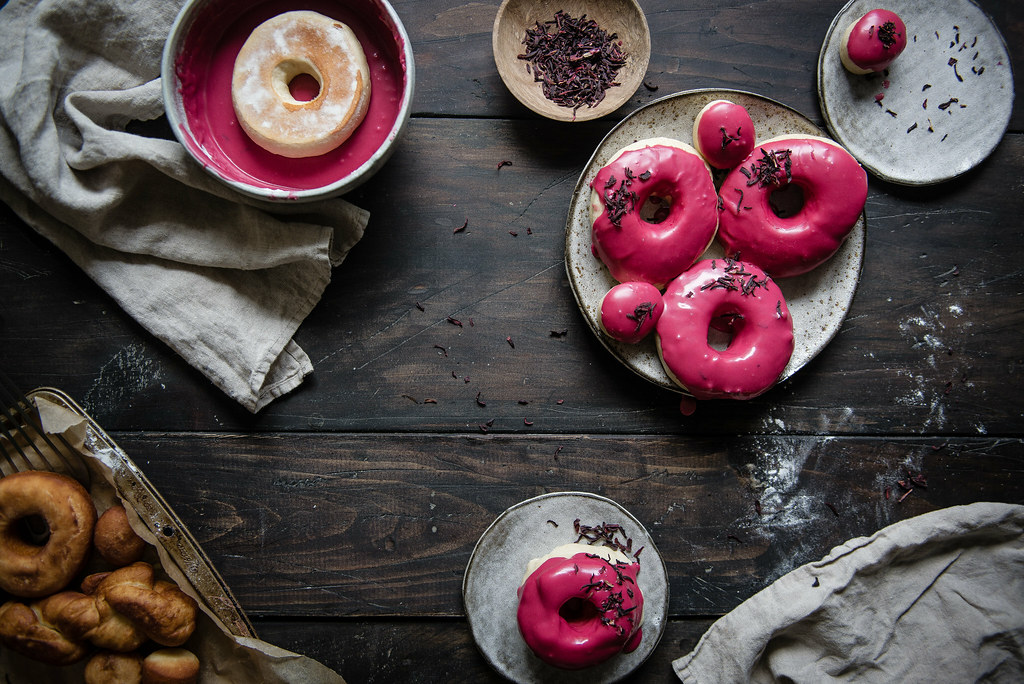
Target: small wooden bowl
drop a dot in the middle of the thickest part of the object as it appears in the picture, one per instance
(621, 17)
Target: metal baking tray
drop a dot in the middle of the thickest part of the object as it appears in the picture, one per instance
(136, 491)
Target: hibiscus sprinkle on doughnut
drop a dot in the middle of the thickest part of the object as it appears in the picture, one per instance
(580, 604)
(653, 211)
(790, 206)
(873, 42)
(629, 311)
(723, 133)
(726, 332)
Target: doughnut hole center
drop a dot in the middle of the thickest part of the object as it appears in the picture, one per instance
(32, 530)
(296, 81)
(655, 208)
(786, 201)
(576, 611)
(304, 87)
(724, 328)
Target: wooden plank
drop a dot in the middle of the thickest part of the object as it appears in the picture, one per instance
(769, 48)
(340, 525)
(927, 348)
(416, 652)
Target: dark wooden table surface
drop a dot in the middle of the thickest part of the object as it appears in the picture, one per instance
(343, 515)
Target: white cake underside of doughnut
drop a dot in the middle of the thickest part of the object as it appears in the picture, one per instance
(283, 47)
(569, 550)
(844, 53)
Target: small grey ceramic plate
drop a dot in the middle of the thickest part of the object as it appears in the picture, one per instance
(496, 567)
(818, 301)
(936, 120)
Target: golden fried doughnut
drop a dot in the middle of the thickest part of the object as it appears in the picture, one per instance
(30, 630)
(115, 540)
(165, 613)
(107, 667)
(170, 666)
(32, 570)
(90, 618)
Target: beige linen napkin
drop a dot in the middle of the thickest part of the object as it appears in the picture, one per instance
(223, 280)
(936, 598)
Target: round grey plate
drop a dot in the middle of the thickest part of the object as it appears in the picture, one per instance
(906, 137)
(818, 301)
(496, 567)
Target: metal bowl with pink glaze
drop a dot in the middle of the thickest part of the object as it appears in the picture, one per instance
(198, 62)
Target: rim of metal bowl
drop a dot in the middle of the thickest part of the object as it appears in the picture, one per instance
(170, 86)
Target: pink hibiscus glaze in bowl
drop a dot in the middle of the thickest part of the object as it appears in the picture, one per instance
(198, 61)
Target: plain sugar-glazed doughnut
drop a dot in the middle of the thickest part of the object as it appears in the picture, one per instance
(791, 204)
(653, 209)
(742, 303)
(32, 570)
(278, 51)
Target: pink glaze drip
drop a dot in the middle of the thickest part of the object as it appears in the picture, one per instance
(637, 250)
(609, 626)
(204, 69)
(723, 133)
(834, 188)
(865, 47)
(629, 311)
(711, 291)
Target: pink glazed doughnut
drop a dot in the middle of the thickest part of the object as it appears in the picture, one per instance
(656, 248)
(629, 311)
(872, 42)
(736, 297)
(723, 133)
(580, 605)
(791, 204)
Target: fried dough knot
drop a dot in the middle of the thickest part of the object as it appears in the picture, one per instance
(119, 611)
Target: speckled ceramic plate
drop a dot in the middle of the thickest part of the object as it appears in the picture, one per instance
(818, 301)
(936, 120)
(495, 569)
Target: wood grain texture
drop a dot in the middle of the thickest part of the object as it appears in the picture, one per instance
(930, 345)
(340, 525)
(386, 651)
(769, 48)
(343, 515)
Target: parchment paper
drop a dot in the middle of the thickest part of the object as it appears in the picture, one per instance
(224, 657)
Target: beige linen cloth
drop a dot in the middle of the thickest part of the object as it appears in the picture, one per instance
(936, 598)
(224, 281)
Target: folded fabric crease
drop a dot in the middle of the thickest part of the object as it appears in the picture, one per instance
(224, 280)
(932, 598)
